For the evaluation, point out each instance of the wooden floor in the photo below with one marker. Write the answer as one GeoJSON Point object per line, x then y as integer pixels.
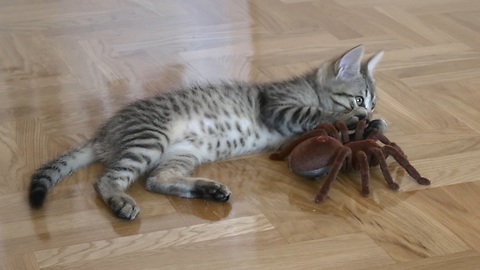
{"type": "Point", "coordinates": [65, 66]}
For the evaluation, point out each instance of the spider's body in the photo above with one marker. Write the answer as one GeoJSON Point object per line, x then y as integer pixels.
{"type": "Point", "coordinates": [301, 163]}
{"type": "Point", "coordinates": [328, 149]}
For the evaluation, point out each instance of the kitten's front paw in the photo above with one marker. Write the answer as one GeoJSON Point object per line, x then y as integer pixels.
{"type": "Point", "coordinates": [351, 118]}
{"type": "Point", "coordinates": [207, 189]}
{"type": "Point", "coordinates": [124, 207]}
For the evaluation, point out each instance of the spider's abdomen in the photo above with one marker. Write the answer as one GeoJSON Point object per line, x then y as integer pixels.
{"type": "Point", "coordinates": [313, 157]}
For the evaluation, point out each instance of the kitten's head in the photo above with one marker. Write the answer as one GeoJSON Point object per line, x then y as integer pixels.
{"type": "Point", "coordinates": [347, 83]}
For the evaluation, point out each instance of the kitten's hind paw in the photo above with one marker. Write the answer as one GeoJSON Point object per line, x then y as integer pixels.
{"type": "Point", "coordinates": [124, 207]}
{"type": "Point", "coordinates": [207, 189]}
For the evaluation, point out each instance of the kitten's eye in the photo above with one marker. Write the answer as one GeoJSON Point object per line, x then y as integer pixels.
{"type": "Point", "coordinates": [359, 100]}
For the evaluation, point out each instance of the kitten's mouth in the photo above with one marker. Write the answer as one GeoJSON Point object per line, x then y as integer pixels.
{"type": "Point", "coordinates": [369, 117]}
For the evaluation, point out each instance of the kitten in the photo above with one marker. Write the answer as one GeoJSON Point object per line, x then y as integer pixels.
{"type": "Point", "coordinates": [165, 137]}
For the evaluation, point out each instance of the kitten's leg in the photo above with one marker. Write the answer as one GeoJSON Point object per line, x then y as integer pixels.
{"type": "Point", "coordinates": [298, 119]}
{"type": "Point", "coordinates": [117, 178]}
{"type": "Point", "coordinates": [173, 178]}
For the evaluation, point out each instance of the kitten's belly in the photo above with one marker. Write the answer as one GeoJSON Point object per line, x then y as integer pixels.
{"type": "Point", "coordinates": [223, 138]}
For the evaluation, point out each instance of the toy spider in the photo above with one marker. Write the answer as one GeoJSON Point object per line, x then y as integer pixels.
{"type": "Point", "coordinates": [328, 148]}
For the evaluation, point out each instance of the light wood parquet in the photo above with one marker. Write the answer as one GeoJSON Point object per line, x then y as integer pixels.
{"type": "Point", "coordinates": [65, 66]}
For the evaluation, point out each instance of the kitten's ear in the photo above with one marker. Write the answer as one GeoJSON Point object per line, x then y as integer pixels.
{"type": "Point", "coordinates": [373, 62]}
{"type": "Point", "coordinates": [348, 66]}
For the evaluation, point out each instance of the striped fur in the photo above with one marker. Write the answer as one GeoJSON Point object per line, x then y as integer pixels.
{"type": "Point", "coordinates": [165, 137]}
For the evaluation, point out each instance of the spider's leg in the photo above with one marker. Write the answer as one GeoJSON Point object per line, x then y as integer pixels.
{"type": "Point", "coordinates": [288, 149]}
{"type": "Point", "coordinates": [403, 161]}
{"type": "Point", "coordinates": [375, 135]}
{"type": "Point", "coordinates": [383, 166]}
{"type": "Point", "coordinates": [360, 130]}
{"type": "Point", "coordinates": [340, 125]}
{"type": "Point", "coordinates": [342, 154]}
{"type": "Point", "coordinates": [364, 168]}
{"type": "Point", "coordinates": [330, 129]}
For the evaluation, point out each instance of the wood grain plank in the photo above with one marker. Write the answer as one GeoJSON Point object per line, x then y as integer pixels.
{"type": "Point", "coordinates": [333, 253]}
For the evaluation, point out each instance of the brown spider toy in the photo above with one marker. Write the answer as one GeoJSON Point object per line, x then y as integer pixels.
{"type": "Point", "coordinates": [328, 148]}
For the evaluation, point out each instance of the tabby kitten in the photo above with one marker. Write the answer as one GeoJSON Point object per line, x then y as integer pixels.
{"type": "Point", "coordinates": [165, 137]}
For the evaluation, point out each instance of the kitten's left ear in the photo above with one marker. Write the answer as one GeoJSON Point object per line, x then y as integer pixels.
{"type": "Point", "coordinates": [348, 66]}
{"type": "Point", "coordinates": [373, 62]}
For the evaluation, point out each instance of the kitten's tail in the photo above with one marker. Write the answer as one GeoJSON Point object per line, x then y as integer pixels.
{"type": "Point", "coordinates": [54, 171]}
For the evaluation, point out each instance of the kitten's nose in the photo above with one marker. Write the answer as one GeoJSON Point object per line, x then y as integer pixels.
{"type": "Point", "coordinates": [364, 116]}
